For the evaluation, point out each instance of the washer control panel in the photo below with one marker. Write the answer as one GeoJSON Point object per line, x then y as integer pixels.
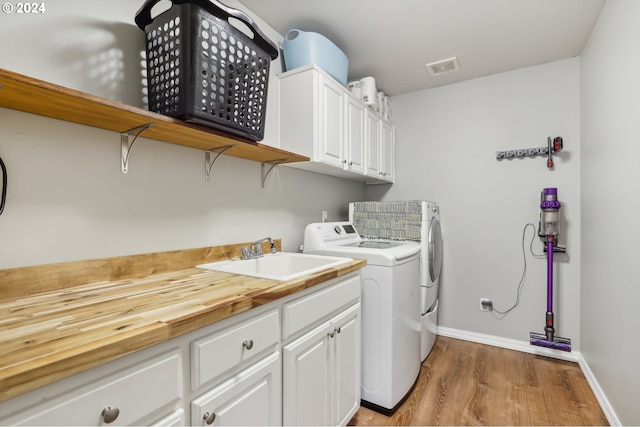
{"type": "Point", "coordinates": [323, 234]}
{"type": "Point", "coordinates": [348, 228]}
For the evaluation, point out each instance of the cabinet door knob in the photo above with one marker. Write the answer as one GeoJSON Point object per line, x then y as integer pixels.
{"type": "Point", "coordinates": [337, 329]}
{"type": "Point", "coordinates": [209, 418]}
{"type": "Point", "coordinates": [331, 334]}
{"type": "Point", "coordinates": [110, 414]}
{"type": "Point", "coordinates": [248, 344]}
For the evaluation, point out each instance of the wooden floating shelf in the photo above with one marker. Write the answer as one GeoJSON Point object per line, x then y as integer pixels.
{"type": "Point", "coordinates": [19, 92]}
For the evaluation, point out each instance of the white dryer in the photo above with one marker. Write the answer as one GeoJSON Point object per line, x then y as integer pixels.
{"type": "Point", "coordinates": [431, 260]}
{"type": "Point", "coordinates": [391, 321]}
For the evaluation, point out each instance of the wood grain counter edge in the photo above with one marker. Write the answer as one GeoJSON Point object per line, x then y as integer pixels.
{"type": "Point", "coordinates": [30, 373]}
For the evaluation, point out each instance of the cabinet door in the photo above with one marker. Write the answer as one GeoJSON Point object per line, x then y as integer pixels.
{"type": "Point", "coordinates": [388, 151]}
{"type": "Point", "coordinates": [306, 379]}
{"type": "Point", "coordinates": [346, 365]}
{"type": "Point", "coordinates": [354, 135]}
{"type": "Point", "coordinates": [251, 397]}
{"type": "Point", "coordinates": [372, 138]}
{"type": "Point", "coordinates": [330, 122]}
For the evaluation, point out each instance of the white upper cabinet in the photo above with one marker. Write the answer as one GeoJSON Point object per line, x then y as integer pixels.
{"type": "Point", "coordinates": [387, 151]}
{"type": "Point", "coordinates": [372, 134]}
{"type": "Point", "coordinates": [329, 148]}
{"type": "Point", "coordinates": [321, 119]}
{"type": "Point", "coordinates": [354, 143]}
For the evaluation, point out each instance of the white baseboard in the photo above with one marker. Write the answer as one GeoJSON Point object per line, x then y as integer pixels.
{"type": "Point", "coordinates": [611, 415]}
{"type": "Point", "coordinates": [509, 343]}
{"type": "Point", "coordinates": [524, 346]}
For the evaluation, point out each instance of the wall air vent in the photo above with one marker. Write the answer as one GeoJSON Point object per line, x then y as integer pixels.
{"type": "Point", "coordinates": [442, 67]}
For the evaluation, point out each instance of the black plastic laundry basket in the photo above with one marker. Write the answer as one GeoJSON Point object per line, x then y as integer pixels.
{"type": "Point", "coordinates": [203, 69]}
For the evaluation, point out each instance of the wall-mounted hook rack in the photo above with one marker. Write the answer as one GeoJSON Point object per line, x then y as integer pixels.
{"type": "Point", "coordinates": [208, 163]}
{"type": "Point", "coordinates": [273, 164]}
{"type": "Point", "coordinates": [553, 146]}
{"type": "Point", "coordinates": [125, 145]}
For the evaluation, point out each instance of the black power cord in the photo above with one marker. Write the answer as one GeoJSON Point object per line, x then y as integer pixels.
{"type": "Point", "coordinates": [4, 185]}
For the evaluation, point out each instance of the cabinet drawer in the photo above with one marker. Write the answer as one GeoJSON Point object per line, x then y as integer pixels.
{"type": "Point", "coordinates": [136, 392]}
{"type": "Point", "coordinates": [221, 351]}
{"type": "Point", "coordinates": [305, 311]}
{"type": "Point", "coordinates": [175, 419]}
{"type": "Point", "coordinates": [252, 397]}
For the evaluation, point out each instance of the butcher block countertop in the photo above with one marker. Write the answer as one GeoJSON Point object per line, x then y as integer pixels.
{"type": "Point", "coordinates": [53, 334]}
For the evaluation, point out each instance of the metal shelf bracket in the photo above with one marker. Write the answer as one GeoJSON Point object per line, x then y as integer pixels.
{"type": "Point", "coordinates": [208, 162]}
{"type": "Point", "coordinates": [125, 145]}
{"type": "Point", "coordinates": [273, 163]}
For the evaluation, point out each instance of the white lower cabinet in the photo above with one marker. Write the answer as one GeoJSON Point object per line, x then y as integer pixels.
{"type": "Point", "coordinates": [321, 367]}
{"type": "Point", "coordinates": [306, 374]}
{"type": "Point", "coordinates": [175, 419]}
{"type": "Point", "coordinates": [249, 398]}
{"type": "Point", "coordinates": [240, 369]}
{"type": "Point", "coordinates": [321, 372]}
{"type": "Point", "coordinates": [127, 396]}
{"type": "Point", "coordinates": [217, 354]}
{"type": "Point", "coordinates": [345, 357]}
{"type": "Point", "coordinates": [237, 374]}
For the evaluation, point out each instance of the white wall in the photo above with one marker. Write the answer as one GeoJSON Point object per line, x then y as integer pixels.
{"type": "Point", "coordinates": [610, 202]}
{"type": "Point", "coordinates": [446, 143]}
{"type": "Point", "coordinates": [67, 199]}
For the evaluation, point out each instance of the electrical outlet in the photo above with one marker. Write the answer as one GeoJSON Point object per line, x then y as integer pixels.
{"type": "Point", "coordinates": [486, 304]}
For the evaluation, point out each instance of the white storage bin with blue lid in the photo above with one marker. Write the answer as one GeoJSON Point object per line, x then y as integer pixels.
{"type": "Point", "coordinates": [302, 48]}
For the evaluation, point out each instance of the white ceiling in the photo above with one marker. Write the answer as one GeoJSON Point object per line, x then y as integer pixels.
{"type": "Point", "coordinates": [392, 40]}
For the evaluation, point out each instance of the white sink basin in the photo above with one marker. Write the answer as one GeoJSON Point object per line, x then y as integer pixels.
{"type": "Point", "coordinates": [279, 266]}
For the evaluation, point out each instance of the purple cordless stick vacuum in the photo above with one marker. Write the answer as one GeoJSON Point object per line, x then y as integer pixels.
{"type": "Point", "coordinates": [549, 229]}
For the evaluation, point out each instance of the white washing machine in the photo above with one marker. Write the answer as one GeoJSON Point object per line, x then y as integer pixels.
{"type": "Point", "coordinates": [391, 322]}
{"type": "Point", "coordinates": [431, 260]}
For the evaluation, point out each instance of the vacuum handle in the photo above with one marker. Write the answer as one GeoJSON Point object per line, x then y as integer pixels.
{"type": "Point", "coordinates": [144, 18]}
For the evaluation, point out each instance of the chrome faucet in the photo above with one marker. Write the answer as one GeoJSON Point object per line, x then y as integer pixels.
{"type": "Point", "coordinates": [256, 248]}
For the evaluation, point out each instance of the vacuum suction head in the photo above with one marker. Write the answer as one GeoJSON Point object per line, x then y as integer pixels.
{"type": "Point", "coordinates": [556, 343]}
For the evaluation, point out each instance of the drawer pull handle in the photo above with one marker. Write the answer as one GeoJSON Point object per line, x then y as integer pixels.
{"type": "Point", "coordinates": [110, 414]}
{"type": "Point", "coordinates": [209, 418]}
{"type": "Point", "coordinates": [248, 344]}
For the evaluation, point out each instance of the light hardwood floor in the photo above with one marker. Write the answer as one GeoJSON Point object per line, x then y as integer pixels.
{"type": "Point", "coordinates": [464, 383]}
